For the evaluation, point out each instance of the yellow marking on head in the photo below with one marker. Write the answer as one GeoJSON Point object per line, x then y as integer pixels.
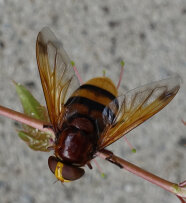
{"type": "Point", "coordinates": [58, 172]}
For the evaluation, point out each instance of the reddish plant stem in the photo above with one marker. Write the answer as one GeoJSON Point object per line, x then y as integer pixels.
{"type": "Point", "coordinates": [182, 184]}
{"type": "Point", "coordinates": [24, 119]}
{"type": "Point", "coordinates": [178, 189]}
{"type": "Point", "coordinates": [184, 122]}
{"type": "Point", "coordinates": [78, 75]}
{"type": "Point", "coordinates": [169, 186]}
{"type": "Point", "coordinates": [120, 76]}
{"type": "Point", "coordinates": [181, 199]}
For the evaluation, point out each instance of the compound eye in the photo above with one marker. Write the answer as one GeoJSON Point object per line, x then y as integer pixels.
{"type": "Point", "coordinates": [64, 172]}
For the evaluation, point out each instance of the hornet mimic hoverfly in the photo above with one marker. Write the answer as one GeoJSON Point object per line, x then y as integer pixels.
{"type": "Point", "coordinates": [87, 118]}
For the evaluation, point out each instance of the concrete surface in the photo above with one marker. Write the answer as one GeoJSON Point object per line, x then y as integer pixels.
{"type": "Point", "coordinates": [151, 37]}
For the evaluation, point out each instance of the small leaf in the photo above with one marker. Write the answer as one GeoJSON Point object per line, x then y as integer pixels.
{"type": "Point", "coordinates": [34, 142]}
{"type": "Point", "coordinates": [35, 139]}
{"type": "Point", "coordinates": [30, 105]}
{"type": "Point", "coordinates": [23, 136]}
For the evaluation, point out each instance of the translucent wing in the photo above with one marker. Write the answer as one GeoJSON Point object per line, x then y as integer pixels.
{"type": "Point", "coordinates": [56, 73]}
{"type": "Point", "coordinates": [135, 107]}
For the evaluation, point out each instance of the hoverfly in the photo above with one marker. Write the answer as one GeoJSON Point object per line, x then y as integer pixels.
{"type": "Point", "coordinates": [89, 117]}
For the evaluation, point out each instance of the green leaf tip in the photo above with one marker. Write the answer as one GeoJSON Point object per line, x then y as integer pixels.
{"type": "Point", "coordinates": [34, 138]}
{"type": "Point", "coordinates": [72, 63]}
{"type": "Point", "coordinates": [103, 175]}
{"type": "Point", "coordinates": [104, 73]}
{"type": "Point", "coordinates": [23, 136]}
{"type": "Point", "coordinates": [133, 150]}
{"type": "Point", "coordinates": [122, 63]}
{"type": "Point", "coordinates": [30, 105]}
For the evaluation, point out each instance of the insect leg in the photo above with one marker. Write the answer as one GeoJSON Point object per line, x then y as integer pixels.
{"type": "Point", "coordinates": [110, 158]}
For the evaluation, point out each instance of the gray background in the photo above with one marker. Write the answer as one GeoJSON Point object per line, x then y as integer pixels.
{"type": "Point", "coordinates": [151, 37]}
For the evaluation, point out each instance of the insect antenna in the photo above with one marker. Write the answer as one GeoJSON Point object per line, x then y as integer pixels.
{"type": "Point", "coordinates": [121, 73]}
{"type": "Point", "coordinates": [63, 185]}
{"type": "Point", "coordinates": [55, 181]}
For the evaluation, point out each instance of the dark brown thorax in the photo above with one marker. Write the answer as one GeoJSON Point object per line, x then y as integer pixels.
{"type": "Point", "coordinates": [77, 142]}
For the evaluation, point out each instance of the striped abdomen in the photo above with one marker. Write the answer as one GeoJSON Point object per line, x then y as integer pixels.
{"type": "Point", "coordinates": [91, 98]}
{"type": "Point", "coordinates": [78, 137]}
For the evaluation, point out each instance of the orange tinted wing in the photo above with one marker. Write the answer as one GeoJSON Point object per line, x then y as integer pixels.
{"type": "Point", "coordinates": [57, 75]}
{"type": "Point", "coordinates": [135, 107]}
